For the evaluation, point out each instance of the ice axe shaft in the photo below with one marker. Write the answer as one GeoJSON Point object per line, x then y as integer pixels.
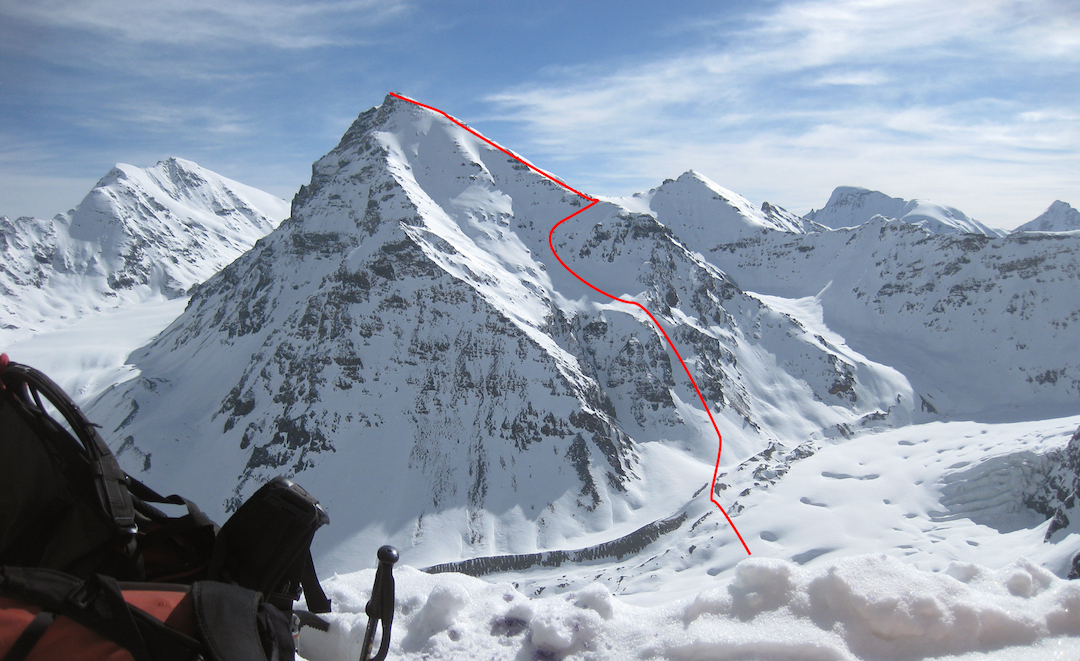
{"type": "Point", "coordinates": [380, 608]}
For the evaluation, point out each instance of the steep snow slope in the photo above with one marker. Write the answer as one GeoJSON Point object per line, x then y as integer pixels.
{"type": "Point", "coordinates": [1058, 217]}
{"type": "Point", "coordinates": [850, 206]}
{"type": "Point", "coordinates": [402, 342]}
{"type": "Point", "coordinates": [141, 234]}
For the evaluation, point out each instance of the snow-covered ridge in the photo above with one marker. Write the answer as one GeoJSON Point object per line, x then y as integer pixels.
{"type": "Point", "coordinates": [141, 234]}
{"type": "Point", "coordinates": [980, 326]}
{"type": "Point", "coordinates": [703, 213]}
{"type": "Point", "coordinates": [850, 206]}
{"type": "Point", "coordinates": [1058, 217]}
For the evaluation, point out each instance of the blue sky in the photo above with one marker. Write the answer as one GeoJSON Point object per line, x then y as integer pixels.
{"type": "Point", "coordinates": [970, 104]}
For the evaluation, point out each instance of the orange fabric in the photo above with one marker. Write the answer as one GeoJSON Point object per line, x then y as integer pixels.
{"type": "Point", "coordinates": [70, 641]}
{"type": "Point", "coordinates": [64, 639]}
{"type": "Point", "coordinates": [14, 617]}
{"type": "Point", "coordinates": [175, 609]}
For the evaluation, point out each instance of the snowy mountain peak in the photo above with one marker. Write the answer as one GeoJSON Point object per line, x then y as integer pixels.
{"type": "Point", "coordinates": [397, 330]}
{"type": "Point", "coordinates": [175, 217]}
{"type": "Point", "coordinates": [694, 188]}
{"type": "Point", "coordinates": [173, 173]}
{"type": "Point", "coordinates": [140, 233]}
{"type": "Point", "coordinates": [408, 325]}
{"type": "Point", "coordinates": [128, 197]}
{"type": "Point", "coordinates": [1058, 217]}
{"type": "Point", "coordinates": [850, 206]}
{"type": "Point", "coordinates": [704, 214]}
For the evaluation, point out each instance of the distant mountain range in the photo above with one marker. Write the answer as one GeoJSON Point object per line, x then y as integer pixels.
{"type": "Point", "coordinates": [406, 346]}
{"type": "Point", "coordinates": [851, 207]}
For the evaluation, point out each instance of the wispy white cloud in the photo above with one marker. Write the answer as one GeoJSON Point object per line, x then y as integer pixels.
{"type": "Point", "coordinates": [852, 78]}
{"type": "Point", "coordinates": [87, 82]}
{"type": "Point", "coordinates": [211, 23]}
{"type": "Point", "coordinates": [817, 93]}
{"type": "Point", "coordinates": [780, 100]}
{"type": "Point", "coordinates": [149, 115]}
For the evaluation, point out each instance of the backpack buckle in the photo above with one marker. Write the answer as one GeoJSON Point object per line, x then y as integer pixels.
{"type": "Point", "coordinates": [83, 594]}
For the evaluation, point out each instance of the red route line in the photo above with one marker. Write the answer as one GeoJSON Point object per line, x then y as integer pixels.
{"type": "Point", "coordinates": [593, 202]}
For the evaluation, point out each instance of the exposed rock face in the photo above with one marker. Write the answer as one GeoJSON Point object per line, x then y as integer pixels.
{"type": "Point", "coordinates": [1057, 488]}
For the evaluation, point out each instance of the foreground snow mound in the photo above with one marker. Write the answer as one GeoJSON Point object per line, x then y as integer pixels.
{"type": "Point", "coordinates": [861, 607]}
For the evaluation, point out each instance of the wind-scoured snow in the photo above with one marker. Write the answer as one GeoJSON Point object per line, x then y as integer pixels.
{"type": "Point", "coordinates": [927, 494]}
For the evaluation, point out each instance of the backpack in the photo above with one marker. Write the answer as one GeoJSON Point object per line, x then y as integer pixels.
{"type": "Point", "coordinates": [72, 522]}
{"type": "Point", "coordinates": [47, 614]}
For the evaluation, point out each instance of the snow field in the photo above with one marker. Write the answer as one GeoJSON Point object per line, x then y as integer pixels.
{"type": "Point", "coordinates": [860, 607]}
{"type": "Point", "coordinates": [103, 340]}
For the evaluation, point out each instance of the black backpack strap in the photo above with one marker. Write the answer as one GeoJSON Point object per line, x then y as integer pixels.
{"type": "Point", "coordinates": [235, 623]}
{"type": "Point", "coordinates": [29, 385]}
{"type": "Point", "coordinates": [30, 636]}
{"type": "Point", "coordinates": [147, 495]}
{"type": "Point", "coordinates": [96, 603]}
{"type": "Point", "coordinates": [317, 601]}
